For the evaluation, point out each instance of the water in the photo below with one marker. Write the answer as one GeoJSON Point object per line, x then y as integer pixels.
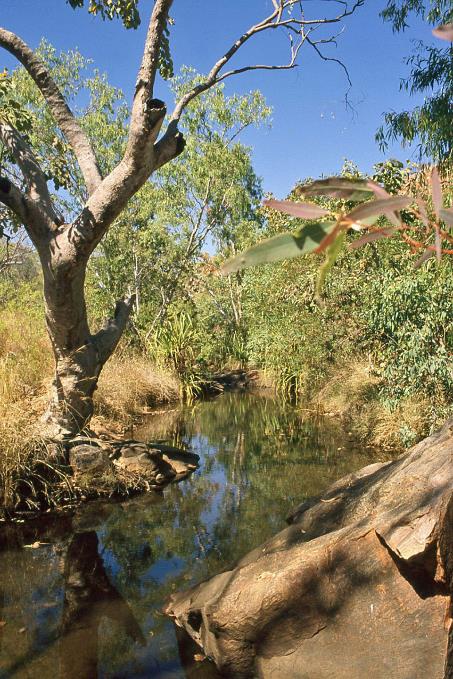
{"type": "Point", "coordinates": [81, 594]}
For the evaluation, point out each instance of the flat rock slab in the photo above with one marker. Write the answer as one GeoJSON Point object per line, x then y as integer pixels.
{"type": "Point", "coordinates": [359, 585]}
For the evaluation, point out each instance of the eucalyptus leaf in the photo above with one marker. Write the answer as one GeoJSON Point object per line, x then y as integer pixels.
{"type": "Point", "coordinates": [447, 215]}
{"type": "Point", "coordinates": [302, 210]}
{"type": "Point", "coordinates": [339, 187]}
{"type": "Point", "coordinates": [436, 191]}
{"type": "Point", "coordinates": [444, 32]}
{"type": "Point", "coordinates": [282, 246]}
{"type": "Point", "coordinates": [374, 208]}
{"type": "Point", "coordinates": [332, 254]}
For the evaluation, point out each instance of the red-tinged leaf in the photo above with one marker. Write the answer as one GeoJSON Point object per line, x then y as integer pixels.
{"type": "Point", "coordinates": [380, 192]}
{"type": "Point", "coordinates": [377, 189]}
{"type": "Point", "coordinates": [371, 237]}
{"type": "Point", "coordinates": [447, 215]}
{"type": "Point", "coordinates": [436, 190]}
{"type": "Point", "coordinates": [338, 187]}
{"type": "Point", "coordinates": [374, 208]}
{"type": "Point", "coordinates": [428, 254]}
{"type": "Point", "coordinates": [302, 210]}
{"type": "Point", "coordinates": [444, 32]}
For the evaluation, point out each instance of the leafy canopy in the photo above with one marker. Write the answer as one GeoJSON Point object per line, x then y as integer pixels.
{"type": "Point", "coordinates": [431, 74]}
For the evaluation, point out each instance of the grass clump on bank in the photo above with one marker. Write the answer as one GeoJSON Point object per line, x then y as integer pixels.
{"type": "Point", "coordinates": [129, 384]}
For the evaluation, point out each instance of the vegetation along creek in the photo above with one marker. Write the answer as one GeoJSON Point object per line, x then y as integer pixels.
{"type": "Point", "coordinates": [81, 595]}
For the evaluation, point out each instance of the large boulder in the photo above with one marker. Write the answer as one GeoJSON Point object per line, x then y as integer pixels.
{"type": "Point", "coordinates": [358, 585]}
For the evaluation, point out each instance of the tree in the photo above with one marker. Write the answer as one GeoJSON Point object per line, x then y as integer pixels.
{"type": "Point", "coordinates": [65, 245]}
{"type": "Point", "coordinates": [431, 73]}
{"type": "Point", "coordinates": [208, 192]}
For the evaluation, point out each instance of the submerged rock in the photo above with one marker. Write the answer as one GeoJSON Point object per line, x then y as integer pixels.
{"type": "Point", "coordinates": [358, 585]}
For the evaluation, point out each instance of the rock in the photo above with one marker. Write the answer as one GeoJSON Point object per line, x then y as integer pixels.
{"type": "Point", "coordinates": [88, 459]}
{"type": "Point", "coordinates": [163, 462]}
{"type": "Point", "coordinates": [135, 458]}
{"type": "Point", "coordinates": [141, 460]}
{"type": "Point", "coordinates": [358, 585]}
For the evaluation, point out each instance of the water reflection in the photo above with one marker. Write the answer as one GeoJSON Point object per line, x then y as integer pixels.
{"type": "Point", "coordinates": [85, 602]}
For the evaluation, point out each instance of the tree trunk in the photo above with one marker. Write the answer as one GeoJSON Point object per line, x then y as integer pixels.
{"type": "Point", "coordinates": [79, 354]}
{"type": "Point", "coordinates": [77, 360]}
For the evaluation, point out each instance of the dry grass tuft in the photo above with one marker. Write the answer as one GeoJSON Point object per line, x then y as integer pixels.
{"type": "Point", "coordinates": [129, 385]}
{"type": "Point", "coordinates": [348, 388]}
{"type": "Point", "coordinates": [26, 361]}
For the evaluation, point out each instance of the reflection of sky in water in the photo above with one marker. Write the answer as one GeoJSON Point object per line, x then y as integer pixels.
{"type": "Point", "coordinates": [258, 459]}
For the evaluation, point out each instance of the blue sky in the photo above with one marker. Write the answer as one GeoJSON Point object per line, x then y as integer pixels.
{"type": "Point", "coordinates": [312, 132]}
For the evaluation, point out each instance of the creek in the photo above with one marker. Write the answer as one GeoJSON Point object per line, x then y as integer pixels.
{"type": "Point", "coordinates": [81, 593]}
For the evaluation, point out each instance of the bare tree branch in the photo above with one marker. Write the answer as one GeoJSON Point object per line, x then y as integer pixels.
{"type": "Point", "coordinates": [32, 173]}
{"type": "Point", "coordinates": [59, 108]}
{"type": "Point", "coordinates": [294, 24]}
{"type": "Point", "coordinates": [148, 113]}
{"type": "Point", "coordinates": [107, 338]}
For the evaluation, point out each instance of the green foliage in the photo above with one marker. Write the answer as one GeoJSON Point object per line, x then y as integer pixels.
{"type": "Point", "coordinates": [11, 109]}
{"type": "Point", "coordinates": [126, 10]}
{"type": "Point", "coordinates": [207, 197]}
{"type": "Point", "coordinates": [379, 311]}
{"type": "Point", "coordinates": [176, 343]}
{"type": "Point", "coordinates": [431, 74]}
{"type": "Point", "coordinates": [411, 318]}
{"type": "Point", "coordinates": [103, 116]}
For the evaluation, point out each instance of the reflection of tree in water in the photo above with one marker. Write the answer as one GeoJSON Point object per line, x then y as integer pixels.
{"type": "Point", "coordinates": [89, 598]}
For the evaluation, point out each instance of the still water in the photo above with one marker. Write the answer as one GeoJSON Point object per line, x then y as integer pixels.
{"type": "Point", "coordinates": [81, 594]}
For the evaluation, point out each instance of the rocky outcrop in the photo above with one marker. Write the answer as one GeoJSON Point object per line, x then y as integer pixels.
{"type": "Point", "coordinates": [358, 585]}
{"type": "Point", "coordinates": [155, 464]}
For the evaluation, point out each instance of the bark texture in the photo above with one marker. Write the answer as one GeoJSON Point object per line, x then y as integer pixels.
{"type": "Point", "coordinates": [358, 585]}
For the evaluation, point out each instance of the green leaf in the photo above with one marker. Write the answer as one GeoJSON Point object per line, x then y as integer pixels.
{"type": "Point", "coordinates": [332, 254]}
{"type": "Point", "coordinates": [283, 246]}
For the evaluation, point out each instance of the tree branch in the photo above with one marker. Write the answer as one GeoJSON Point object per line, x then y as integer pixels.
{"type": "Point", "coordinates": [147, 113]}
{"type": "Point", "coordinates": [59, 108]}
{"type": "Point", "coordinates": [107, 339]}
{"type": "Point", "coordinates": [32, 173]}
{"type": "Point", "coordinates": [294, 24]}
{"type": "Point", "coordinates": [36, 222]}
